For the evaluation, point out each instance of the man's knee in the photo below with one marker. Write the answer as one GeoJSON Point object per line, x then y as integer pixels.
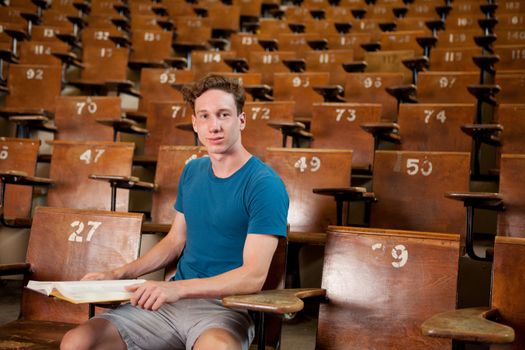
{"type": "Point", "coordinates": [217, 339]}
{"type": "Point", "coordinates": [96, 333]}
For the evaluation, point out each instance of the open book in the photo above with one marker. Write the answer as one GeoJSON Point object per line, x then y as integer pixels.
{"type": "Point", "coordinates": [78, 292]}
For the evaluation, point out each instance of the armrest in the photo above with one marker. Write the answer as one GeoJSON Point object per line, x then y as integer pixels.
{"type": "Point", "coordinates": [129, 182]}
{"type": "Point", "coordinates": [68, 58]}
{"type": "Point", "coordinates": [21, 178]}
{"type": "Point", "coordinates": [38, 122]}
{"type": "Point", "coordinates": [9, 56]}
{"type": "Point", "coordinates": [416, 64]}
{"type": "Point", "coordinates": [15, 269]}
{"type": "Point", "coordinates": [487, 133]}
{"type": "Point", "coordinates": [70, 39]}
{"type": "Point", "coordinates": [485, 41]}
{"type": "Point", "coordinates": [139, 117]}
{"type": "Point", "coordinates": [488, 24]}
{"type": "Point", "coordinates": [403, 93]}
{"type": "Point", "coordinates": [387, 26]}
{"type": "Point", "coordinates": [297, 65]}
{"type": "Point", "coordinates": [470, 324]}
{"type": "Point", "coordinates": [125, 86]}
{"type": "Point", "coordinates": [293, 129]}
{"type": "Point", "coordinates": [269, 44]}
{"type": "Point", "coordinates": [218, 44]}
{"type": "Point", "coordinates": [372, 46]}
{"type": "Point", "coordinates": [17, 34]}
{"type": "Point", "coordinates": [400, 12]}
{"type": "Point", "coordinates": [177, 62]}
{"type": "Point", "coordinates": [319, 44]}
{"type": "Point", "coordinates": [358, 13]}
{"type": "Point", "coordinates": [260, 92]}
{"type": "Point", "coordinates": [355, 67]}
{"type": "Point", "coordinates": [297, 27]}
{"type": "Point", "coordinates": [484, 200]}
{"type": "Point", "coordinates": [486, 62]}
{"type": "Point", "coordinates": [384, 131]}
{"type": "Point", "coordinates": [330, 93]}
{"type": "Point", "coordinates": [237, 64]}
{"type": "Point", "coordinates": [279, 301]}
{"type": "Point", "coordinates": [347, 193]}
{"type": "Point", "coordinates": [120, 40]}
{"type": "Point", "coordinates": [485, 92]}
{"type": "Point", "coordinates": [124, 125]}
{"type": "Point", "coordinates": [343, 27]}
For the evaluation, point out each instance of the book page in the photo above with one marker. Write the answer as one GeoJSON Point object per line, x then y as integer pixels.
{"type": "Point", "coordinates": [86, 291]}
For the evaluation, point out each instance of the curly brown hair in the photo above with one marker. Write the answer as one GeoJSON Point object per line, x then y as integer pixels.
{"type": "Point", "coordinates": [215, 82]}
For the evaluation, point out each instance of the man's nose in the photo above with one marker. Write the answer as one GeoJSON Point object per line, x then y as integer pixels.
{"type": "Point", "coordinates": [215, 124]}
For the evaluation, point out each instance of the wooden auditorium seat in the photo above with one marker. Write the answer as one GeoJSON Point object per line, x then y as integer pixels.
{"type": "Point", "coordinates": [370, 275]}
{"type": "Point", "coordinates": [502, 325]}
{"type": "Point", "coordinates": [82, 241]}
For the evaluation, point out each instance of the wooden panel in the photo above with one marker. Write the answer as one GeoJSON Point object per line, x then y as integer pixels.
{"type": "Point", "coordinates": [511, 222]}
{"type": "Point", "coordinates": [382, 284]}
{"type": "Point", "coordinates": [338, 125]}
{"type": "Point", "coordinates": [19, 155]}
{"type": "Point", "coordinates": [303, 170]}
{"type": "Point", "coordinates": [72, 163]}
{"type": "Point", "coordinates": [150, 45]}
{"type": "Point", "coordinates": [34, 52]}
{"type": "Point", "coordinates": [512, 88]}
{"type": "Point", "coordinates": [204, 62]}
{"type": "Point", "coordinates": [370, 88]}
{"type": "Point", "coordinates": [171, 160]}
{"type": "Point", "coordinates": [268, 63]}
{"type": "Point", "coordinates": [330, 61]}
{"type": "Point", "coordinates": [446, 87]}
{"type": "Point", "coordinates": [44, 83]}
{"type": "Point", "coordinates": [155, 85]}
{"type": "Point", "coordinates": [435, 127]}
{"type": "Point", "coordinates": [298, 87]}
{"type": "Point", "coordinates": [104, 63]}
{"type": "Point", "coordinates": [244, 43]}
{"type": "Point", "coordinates": [508, 285]}
{"type": "Point", "coordinates": [257, 136]}
{"type": "Point", "coordinates": [75, 117]}
{"type": "Point", "coordinates": [163, 118]}
{"type": "Point", "coordinates": [512, 58]}
{"type": "Point", "coordinates": [454, 59]}
{"type": "Point", "coordinates": [511, 117]}
{"type": "Point", "coordinates": [105, 241]}
{"type": "Point", "coordinates": [404, 180]}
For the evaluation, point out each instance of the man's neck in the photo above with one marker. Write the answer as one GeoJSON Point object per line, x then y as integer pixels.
{"type": "Point", "coordinates": [225, 165]}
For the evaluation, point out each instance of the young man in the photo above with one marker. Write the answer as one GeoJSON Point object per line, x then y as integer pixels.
{"type": "Point", "coordinates": [230, 208]}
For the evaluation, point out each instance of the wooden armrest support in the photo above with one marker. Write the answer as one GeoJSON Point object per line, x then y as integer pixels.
{"type": "Point", "coordinates": [371, 46]}
{"type": "Point", "coordinates": [387, 26]}
{"type": "Point", "coordinates": [403, 93]}
{"type": "Point", "coordinates": [269, 44]}
{"type": "Point", "coordinates": [17, 34]}
{"type": "Point", "coordinates": [296, 65]}
{"type": "Point", "coordinates": [9, 56]}
{"type": "Point", "coordinates": [237, 64]}
{"type": "Point", "coordinates": [487, 200]}
{"type": "Point", "coordinates": [15, 269]}
{"type": "Point", "coordinates": [7, 112]}
{"type": "Point", "coordinates": [129, 182]}
{"type": "Point", "coordinates": [347, 193]}
{"type": "Point", "coordinates": [468, 325]}
{"type": "Point", "coordinates": [417, 63]}
{"type": "Point", "coordinates": [358, 13]}
{"type": "Point", "coordinates": [485, 92]}
{"type": "Point", "coordinates": [149, 227]}
{"type": "Point", "coordinates": [485, 41]}
{"type": "Point", "coordinates": [343, 27]}
{"type": "Point", "coordinates": [435, 25]}
{"type": "Point", "coordinates": [487, 133]}
{"type": "Point", "coordinates": [177, 62]}
{"type": "Point", "coordinates": [355, 67]}
{"type": "Point", "coordinates": [331, 93]}
{"type": "Point", "coordinates": [293, 129]}
{"type": "Point", "coordinates": [318, 44]}
{"type": "Point", "coordinates": [124, 125]}
{"type": "Point", "coordinates": [311, 238]}
{"type": "Point", "coordinates": [69, 39]}
{"type": "Point", "coordinates": [38, 122]}
{"type": "Point", "coordinates": [125, 86]}
{"type": "Point", "coordinates": [385, 131]}
{"type": "Point", "coordinates": [120, 40]}
{"type": "Point", "coordinates": [139, 117]}
{"type": "Point", "coordinates": [279, 301]}
{"type": "Point", "coordinates": [21, 178]}
{"type": "Point", "coordinates": [260, 92]}
{"type": "Point", "coordinates": [68, 58]}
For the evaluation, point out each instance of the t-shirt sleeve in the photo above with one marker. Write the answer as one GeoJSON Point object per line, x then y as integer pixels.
{"type": "Point", "coordinates": [268, 207]}
{"type": "Point", "coordinates": [180, 190]}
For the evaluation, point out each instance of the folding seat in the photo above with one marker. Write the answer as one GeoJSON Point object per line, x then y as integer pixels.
{"type": "Point", "coordinates": [511, 87]}
{"type": "Point", "coordinates": [192, 33]}
{"type": "Point", "coordinates": [17, 156]}
{"type": "Point", "coordinates": [454, 59]}
{"type": "Point", "coordinates": [223, 19]}
{"type": "Point", "coordinates": [360, 268]}
{"type": "Point", "coordinates": [82, 241]}
{"type": "Point", "coordinates": [501, 325]}
{"type": "Point", "coordinates": [338, 126]}
{"type": "Point", "coordinates": [330, 61]}
{"type": "Point", "coordinates": [204, 62]}
{"type": "Point", "coordinates": [446, 87]}
{"type": "Point", "coordinates": [150, 47]}
{"type": "Point", "coordinates": [297, 42]}
{"type": "Point", "coordinates": [31, 110]}
{"type": "Point", "coordinates": [298, 87]}
{"type": "Point", "coordinates": [40, 52]}
{"type": "Point", "coordinates": [269, 62]}
{"type": "Point", "coordinates": [244, 43]}
{"type": "Point", "coordinates": [349, 41]}
{"type": "Point", "coordinates": [511, 58]}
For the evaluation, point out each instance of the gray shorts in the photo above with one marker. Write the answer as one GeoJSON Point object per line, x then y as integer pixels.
{"type": "Point", "coordinates": [178, 325]}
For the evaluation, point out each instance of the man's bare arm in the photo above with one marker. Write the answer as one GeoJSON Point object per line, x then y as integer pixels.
{"type": "Point", "coordinates": [246, 279]}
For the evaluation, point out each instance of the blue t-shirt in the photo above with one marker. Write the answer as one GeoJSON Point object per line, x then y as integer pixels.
{"type": "Point", "coordinates": [220, 212]}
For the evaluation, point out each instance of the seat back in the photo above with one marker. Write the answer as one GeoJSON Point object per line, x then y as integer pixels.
{"type": "Point", "coordinates": [435, 126]}
{"type": "Point", "coordinates": [103, 63]}
{"type": "Point", "coordinates": [511, 221]}
{"type": "Point", "coordinates": [510, 116]}
{"type": "Point", "coordinates": [257, 136]}
{"type": "Point", "coordinates": [150, 45]}
{"type": "Point", "coordinates": [65, 244]}
{"type": "Point", "coordinates": [268, 63]}
{"type": "Point", "coordinates": [71, 164]}
{"type": "Point", "coordinates": [302, 170]}
{"type": "Point", "coordinates": [410, 188]}
{"type": "Point", "coordinates": [33, 86]}
{"type": "Point", "coordinates": [337, 126]}
{"type": "Point", "coordinates": [205, 62]}
{"type": "Point", "coordinates": [508, 285]}
{"type": "Point", "coordinates": [20, 155]}
{"type": "Point", "coordinates": [446, 87]}
{"type": "Point", "coordinates": [76, 117]}
{"type": "Point", "coordinates": [382, 284]}
{"type": "Point", "coordinates": [170, 162]}
{"type": "Point", "coordinates": [163, 118]}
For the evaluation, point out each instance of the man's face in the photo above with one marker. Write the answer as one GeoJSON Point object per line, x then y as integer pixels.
{"type": "Point", "coordinates": [216, 122]}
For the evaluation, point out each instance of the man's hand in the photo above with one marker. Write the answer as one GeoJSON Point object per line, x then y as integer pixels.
{"type": "Point", "coordinates": [151, 295]}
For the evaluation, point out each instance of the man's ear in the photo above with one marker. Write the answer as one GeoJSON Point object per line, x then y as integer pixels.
{"type": "Point", "coordinates": [193, 122]}
{"type": "Point", "coordinates": [242, 118]}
